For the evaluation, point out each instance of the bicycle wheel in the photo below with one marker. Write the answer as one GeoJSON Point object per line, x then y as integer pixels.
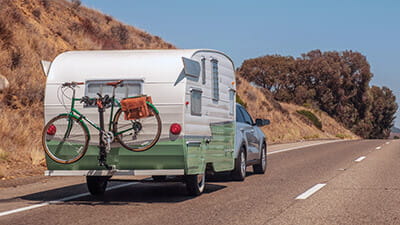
{"type": "Point", "coordinates": [137, 135]}
{"type": "Point", "coordinates": [64, 139]}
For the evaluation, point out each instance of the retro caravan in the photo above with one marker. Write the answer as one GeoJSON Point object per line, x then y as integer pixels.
{"type": "Point", "coordinates": [178, 120]}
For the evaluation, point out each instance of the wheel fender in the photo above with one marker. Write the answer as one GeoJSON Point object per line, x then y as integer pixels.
{"type": "Point", "coordinates": [80, 120]}
{"type": "Point", "coordinates": [240, 146]}
{"type": "Point", "coordinates": [240, 138]}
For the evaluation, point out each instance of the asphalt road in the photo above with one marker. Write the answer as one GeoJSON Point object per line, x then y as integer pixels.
{"type": "Point", "coordinates": [350, 182]}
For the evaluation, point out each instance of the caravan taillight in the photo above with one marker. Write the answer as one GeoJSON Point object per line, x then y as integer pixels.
{"type": "Point", "coordinates": [175, 128]}
{"type": "Point", "coordinates": [51, 130]}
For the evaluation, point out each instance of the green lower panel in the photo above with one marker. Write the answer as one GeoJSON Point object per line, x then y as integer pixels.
{"type": "Point", "coordinates": [164, 155]}
{"type": "Point", "coordinates": [195, 158]}
{"type": "Point", "coordinates": [191, 157]}
{"type": "Point", "coordinates": [219, 151]}
{"type": "Point", "coordinates": [168, 155]}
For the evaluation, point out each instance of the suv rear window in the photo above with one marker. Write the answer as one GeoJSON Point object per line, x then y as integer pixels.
{"type": "Point", "coordinates": [246, 116]}
{"type": "Point", "coordinates": [239, 115]}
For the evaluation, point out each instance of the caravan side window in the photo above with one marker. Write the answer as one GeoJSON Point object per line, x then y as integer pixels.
{"type": "Point", "coordinates": [129, 88]}
{"type": "Point", "coordinates": [231, 101]}
{"type": "Point", "coordinates": [215, 80]}
{"type": "Point", "coordinates": [195, 102]}
{"type": "Point", "coordinates": [203, 70]}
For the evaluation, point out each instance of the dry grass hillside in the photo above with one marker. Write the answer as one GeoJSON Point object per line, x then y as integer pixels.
{"type": "Point", "coordinates": [41, 29]}
{"type": "Point", "coordinates": [287, 124]}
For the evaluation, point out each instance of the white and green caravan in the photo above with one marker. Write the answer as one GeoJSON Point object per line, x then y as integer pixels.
{"type": "Point", "coordinates": [193, 91]}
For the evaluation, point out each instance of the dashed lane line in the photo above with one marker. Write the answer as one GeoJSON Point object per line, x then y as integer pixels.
{"type": "Point", "coordinates": [310, 191]}
{"type": "Point", "coordinates": [360, 159]}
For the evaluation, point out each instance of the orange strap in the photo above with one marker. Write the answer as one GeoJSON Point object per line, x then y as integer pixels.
{"type": "Point", "coordinates": [99, 103]}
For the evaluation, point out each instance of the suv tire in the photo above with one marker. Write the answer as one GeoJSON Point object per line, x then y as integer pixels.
{"type": "Point", "coordinates": [239, 173]}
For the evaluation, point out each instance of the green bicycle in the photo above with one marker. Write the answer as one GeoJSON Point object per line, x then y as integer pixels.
{"type": "Point", "coordinates": [66, 137]}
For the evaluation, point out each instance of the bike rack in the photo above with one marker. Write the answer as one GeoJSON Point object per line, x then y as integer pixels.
{"type": "Point", "coordinates": [102, 146]}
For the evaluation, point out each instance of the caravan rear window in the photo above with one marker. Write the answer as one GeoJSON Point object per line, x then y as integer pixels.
{"type": "Point", "coordinates": [129, 88]}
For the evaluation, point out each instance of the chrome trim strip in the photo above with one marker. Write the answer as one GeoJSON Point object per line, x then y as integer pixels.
{"type": "Point", "coordinates": [114, 172]}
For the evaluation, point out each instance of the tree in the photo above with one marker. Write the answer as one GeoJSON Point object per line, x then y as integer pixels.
{"type": "Point", "coordinates": [383, 110]}
{"type": "Point", "coordinates": [335, 82]}
{"type": "Point", "coordinates": [273, 72]}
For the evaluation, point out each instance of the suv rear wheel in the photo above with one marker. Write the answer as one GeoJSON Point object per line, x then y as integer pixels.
{"type": "Point", "coordinates": [239, 173]}
{"type": "Point", "coordinates": [261, 167]}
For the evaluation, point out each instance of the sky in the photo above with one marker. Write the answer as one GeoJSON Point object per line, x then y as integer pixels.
{"type": "Point", "coordinates": [249, 29]}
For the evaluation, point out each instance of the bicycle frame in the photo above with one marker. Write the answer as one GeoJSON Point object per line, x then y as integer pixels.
{"type": "Point", "coordinates": [74, 112]}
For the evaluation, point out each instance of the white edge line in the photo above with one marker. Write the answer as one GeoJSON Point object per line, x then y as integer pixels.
{"type": "Point", "coordinates": [59, 200]}
{"type": "Point", "coordinates": [304, 146]}
{"type": "Point", "coordinates": [360, 159]}
{"type": "Point", "coordinates": [310, 191]}
{"type": "Point", "coordinates": [23, 209]}
{"type": "Point", "coordinates": [388, 142]}
{"type": "Point", "coordinates": [379, 147]}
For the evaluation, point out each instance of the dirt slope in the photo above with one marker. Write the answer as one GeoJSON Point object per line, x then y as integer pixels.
{"type": "Point", "coordinates": [286, 124]}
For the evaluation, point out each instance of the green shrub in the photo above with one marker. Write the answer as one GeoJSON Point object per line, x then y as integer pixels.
{"type": "Point", "coordinates": [307, 105]}
{"type": "Point", "coordinates": [308, 137]}
{"type": "Point", "coordinates": [312, 117]}
{"type": "Point", "coordinates": [396, 137]}
{"type": "Point", "coordinates": [343, 136]}
{"type": "Point", "coordinates": [240, 101]}
{"type": "Point", "coordinates": [3, 155]}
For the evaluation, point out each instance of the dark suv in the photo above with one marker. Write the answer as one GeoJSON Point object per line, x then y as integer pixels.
{"type": "Point", "coordinates": [250, 144]}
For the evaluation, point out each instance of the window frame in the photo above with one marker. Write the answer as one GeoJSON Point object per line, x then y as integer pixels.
{"type": "Point", "coordinates": [239, 114]}
{"type": "Point", "coordinates": [245, 113]}
{"type": "Point", "coordinates": [103, 82]}
{"type": "Point", "coordinates": [215, 79]}
{"type": "Point", "coordinates": [203, 70]}
{"type": "Point", "coordinates": [192, 112]}
{"type": "Point", "coordinates": [232, 101]}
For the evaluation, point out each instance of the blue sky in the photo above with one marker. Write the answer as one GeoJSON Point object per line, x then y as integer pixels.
{"type": "Point", "coordinates": [248, 29]}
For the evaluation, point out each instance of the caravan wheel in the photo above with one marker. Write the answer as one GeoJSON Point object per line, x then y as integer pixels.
{"type": "Point", "coordinates": [195, 184]}
{"type": "Point", "coordinates": [97, 184]}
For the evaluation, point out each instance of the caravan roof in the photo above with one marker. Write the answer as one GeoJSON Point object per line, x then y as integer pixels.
{"type": "Point", "coordinates": [150, 65]}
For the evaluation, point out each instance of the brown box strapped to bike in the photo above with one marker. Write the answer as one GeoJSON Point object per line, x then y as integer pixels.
{"type": "Point", "coordinates": [136, 107]}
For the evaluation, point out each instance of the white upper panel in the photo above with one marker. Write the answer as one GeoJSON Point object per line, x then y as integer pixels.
{"type": "Point", "coordinates": [150, 65]}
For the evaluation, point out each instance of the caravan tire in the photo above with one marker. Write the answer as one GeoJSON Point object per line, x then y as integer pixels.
{"type": "Point", "coordinates": [97, 184]}
{"type": "Point", "coordinates": [159, 178]}
{"type": "Point", "coordinates": [239, 173]}
{"type": "Point", "coordinates": [195, 184]}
